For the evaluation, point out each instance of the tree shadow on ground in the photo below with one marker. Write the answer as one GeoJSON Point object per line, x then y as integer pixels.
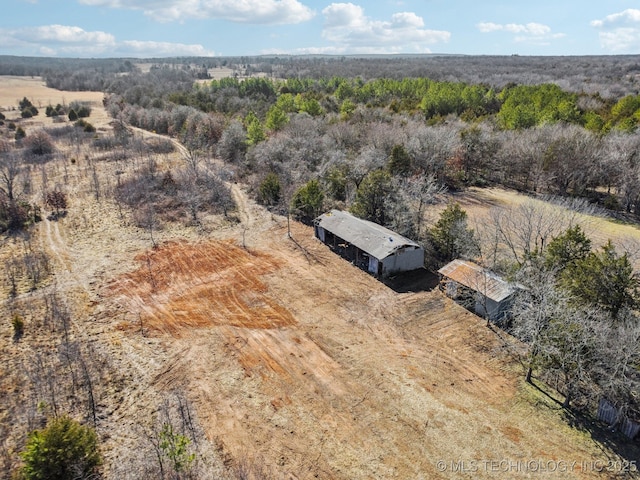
{"type": "Point", "coordinates": [607, 438]}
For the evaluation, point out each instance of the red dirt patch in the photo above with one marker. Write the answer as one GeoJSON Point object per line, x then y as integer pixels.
{"type": "Point", "coordinates": [512, 433]}
{"type": "Point", "coordinates": [180, 285]}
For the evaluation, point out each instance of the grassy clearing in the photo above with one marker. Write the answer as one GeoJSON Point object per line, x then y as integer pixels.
{"type": "Point", "coordinates": [600, 228]}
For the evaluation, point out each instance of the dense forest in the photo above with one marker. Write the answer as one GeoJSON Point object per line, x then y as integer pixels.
{"type": "Point", "coordinates": [517, 127]}
{"type": "Point", "coordinates": [384, 137]}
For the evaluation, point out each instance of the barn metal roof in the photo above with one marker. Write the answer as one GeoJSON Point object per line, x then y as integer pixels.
{"type": "Point", "coordinates": [371, 238]}
{"type": "Point", "coordinates": [477, 278]}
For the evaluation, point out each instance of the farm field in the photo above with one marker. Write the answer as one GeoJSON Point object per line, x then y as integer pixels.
{"type": "Point", "coordinates": [296, 363]}
{"type": "Point", "coordinates": [14, 89]}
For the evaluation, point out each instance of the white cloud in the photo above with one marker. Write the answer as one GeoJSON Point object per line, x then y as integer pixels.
{"type": "Point", "coordinates": [630, 16]}
{"type": "Point", "coordinates": [351, 31]}
{"type": "Point", "coordinates": [240, 11]}
{"type": "Point", "coordinates": [64, 40]}
{"type": "Point", "coordinates": [339, 15]}
{"type": "Point", "coordinates": [62, 34]}
{"type": "Point", "coordinates": [620, 32]}
{"type": "Point", "coordinates": [406, 20]}
{"type": "Point", "coordinates": [58, 40]}
{"type": "Point", "coordinates": [532, 33]}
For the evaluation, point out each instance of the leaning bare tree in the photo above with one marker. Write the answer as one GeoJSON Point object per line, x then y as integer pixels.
{"type": "Point", "coordinates": [10, 169]}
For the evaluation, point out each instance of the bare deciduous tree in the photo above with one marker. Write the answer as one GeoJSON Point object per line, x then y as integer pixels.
{"type": "Point", "coordinates": [420, 191]}
{"type": "Point", "coordinates": [10, 169]}
{"type": "Point", "coordinates": [515, 234]}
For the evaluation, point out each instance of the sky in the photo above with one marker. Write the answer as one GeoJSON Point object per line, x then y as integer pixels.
{"type": "Point", "coordinates": [167, 28]}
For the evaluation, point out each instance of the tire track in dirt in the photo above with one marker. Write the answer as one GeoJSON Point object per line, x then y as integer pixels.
{"type": "Point", "coordinates": [68, 275]}
{"type": "Point", "coordinates": [246, 217]}
{"type": "Point", "coordinates": [240, 199]}
{"type": "Point", "coordinates": [451, 348]}
{"type": "Point", "coordinates": [56, 245]}
{"type": "Point", "coordinates": [181, 286]}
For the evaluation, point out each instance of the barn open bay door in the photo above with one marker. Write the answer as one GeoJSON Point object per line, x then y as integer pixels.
{"type": "Point", "coordinates": [373, 265]}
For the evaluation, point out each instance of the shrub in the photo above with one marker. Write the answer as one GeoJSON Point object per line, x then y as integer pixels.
{"type": "Point", "coordinates": [39, 143]}
{"type": "Point", "coordinates": [270, 190]}
{"type": "Point", "coordinates": [86, 126]}
{"type": "Point", "coordinates": [18, 327]}
{"type": "Point", "coordinates": [20, 133]}
{"type": "Point", "coordinates": [17, 214]}
{"type": "Point", "coordinates": [82, 109]}
{"type": "Point", "coordinates": [307, 201]}
{"type": "Point", "coordinates": [611, 203]}
{"type": "Point", "coordinates": [57, 200]}
{"type": "Point", "coordinates": [175, 447]}
{"type": "Point", "coordinates": [25, 103]}
{"type": "Point", "coordinates": [64, 449]}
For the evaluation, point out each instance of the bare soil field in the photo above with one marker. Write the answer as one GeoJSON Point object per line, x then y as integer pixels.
{"type": "Point", "coordinates": [297, 363]}
{"type": "Point", "coordinates": [318, 370]}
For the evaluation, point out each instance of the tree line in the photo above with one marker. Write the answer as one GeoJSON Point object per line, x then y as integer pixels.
{"type": "Point", "coordinates": [577, 310]}
{"type": "Point", "coordinates": [609, 76]}
{"type": "Point", "coordinates": [536, 138]}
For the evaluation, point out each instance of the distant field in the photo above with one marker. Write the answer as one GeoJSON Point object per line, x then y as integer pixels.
{"type": "Point", "coordinates": [215, 73]}
{"type": "Point", "coordinates": [14, 89]}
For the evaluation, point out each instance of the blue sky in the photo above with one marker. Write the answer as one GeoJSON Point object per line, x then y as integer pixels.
{"type": "Point", "coordinates": [160, 28]}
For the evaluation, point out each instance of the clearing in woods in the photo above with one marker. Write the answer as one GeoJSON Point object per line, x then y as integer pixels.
{"type": "Point", "coordinates": [292, 358]}
{"type": "Point", "coordinates": [304, 363]}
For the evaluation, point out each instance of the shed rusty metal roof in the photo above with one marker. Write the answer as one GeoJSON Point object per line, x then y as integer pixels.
{"type": "Point", "coordinates": [479, 279]}
{"type": "Point", "coordinates": [371, 238]}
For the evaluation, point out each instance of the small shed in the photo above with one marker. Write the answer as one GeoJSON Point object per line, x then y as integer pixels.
{"type": "Point", "coordinates": [477, 288]}
{"type": "Point", "coordinates": [370, 246]}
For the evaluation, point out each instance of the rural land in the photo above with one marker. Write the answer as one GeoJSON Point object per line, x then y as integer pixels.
{"type": "Point", "coordinates": [165, 295]}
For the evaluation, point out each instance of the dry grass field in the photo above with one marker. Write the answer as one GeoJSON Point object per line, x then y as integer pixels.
{"type": "Point", "coordinates": [14, 89]}
{"type": "Point", "coordinates": [296, 363]}
{"type": "Point", "coordinates": [600, 228]}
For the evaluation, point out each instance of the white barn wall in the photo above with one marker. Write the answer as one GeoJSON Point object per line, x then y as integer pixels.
{"type": "Point", "coordinates": [405, 259]}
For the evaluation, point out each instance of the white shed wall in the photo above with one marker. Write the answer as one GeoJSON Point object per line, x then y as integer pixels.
{"type": "Point", "coordinates": [404, 260]}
